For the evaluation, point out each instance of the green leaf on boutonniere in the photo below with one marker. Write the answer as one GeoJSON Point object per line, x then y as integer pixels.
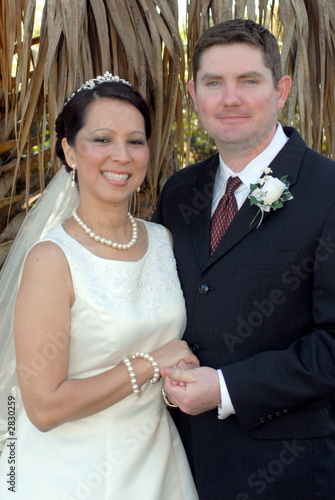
{"type": "Point", "coordinates": [253, 201]}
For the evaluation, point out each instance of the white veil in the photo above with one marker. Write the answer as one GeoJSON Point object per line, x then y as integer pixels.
{"type": "Point", "coordinates": [54, 206]}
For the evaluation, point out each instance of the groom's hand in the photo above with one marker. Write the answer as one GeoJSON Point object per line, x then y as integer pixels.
{"type": "Point", "coordinates": [194, 390]}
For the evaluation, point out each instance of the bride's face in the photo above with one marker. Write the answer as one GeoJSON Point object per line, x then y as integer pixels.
{"type": "Point", "coordinates": [111, 152]}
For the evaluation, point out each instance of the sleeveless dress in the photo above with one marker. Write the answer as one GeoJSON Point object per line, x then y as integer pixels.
{"type": "Point", "coordinates": [131, 450]}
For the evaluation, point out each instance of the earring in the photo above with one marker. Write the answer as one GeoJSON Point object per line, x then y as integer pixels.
{"type": "Point", "coordinates": [138, 189]}
{"type": "Point", "coordinates": [73, 176]}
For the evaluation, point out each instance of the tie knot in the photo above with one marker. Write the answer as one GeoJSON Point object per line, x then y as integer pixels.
{"type": "Point", "coordinates": [232, 184]}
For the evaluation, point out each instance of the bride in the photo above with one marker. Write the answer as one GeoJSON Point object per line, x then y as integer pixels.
{"type": "Point", "coordinates": [99, 311]}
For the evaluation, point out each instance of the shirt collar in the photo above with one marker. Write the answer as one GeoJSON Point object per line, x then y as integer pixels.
{"type": "Point", "coordinates": [253, 170]}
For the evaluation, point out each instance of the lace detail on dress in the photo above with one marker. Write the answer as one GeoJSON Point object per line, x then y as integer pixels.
{"type": "Point", "coordinates": [141, 282]}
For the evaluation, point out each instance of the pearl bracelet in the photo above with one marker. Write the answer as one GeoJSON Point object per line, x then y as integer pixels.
{"type": "Point", "coordinates": [133, 379]}
{"type": "Point", "coordinates": [143, 355]}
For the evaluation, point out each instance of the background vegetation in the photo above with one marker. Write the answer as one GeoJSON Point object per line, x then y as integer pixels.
{"type": "Point", "coordinates": [142, 41]}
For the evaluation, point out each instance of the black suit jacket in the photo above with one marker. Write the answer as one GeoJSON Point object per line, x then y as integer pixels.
{"type": "Point", "coordinates": [261, 308]}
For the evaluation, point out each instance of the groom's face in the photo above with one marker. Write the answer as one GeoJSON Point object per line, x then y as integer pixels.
{"type": "Point", "coordinates": [236, 99]}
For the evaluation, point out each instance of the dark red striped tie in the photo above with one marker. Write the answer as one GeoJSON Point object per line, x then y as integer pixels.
{"type": "Point", "coordinates": [225, 212]}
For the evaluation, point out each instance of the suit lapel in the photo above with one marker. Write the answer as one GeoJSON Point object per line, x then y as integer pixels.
{"type": "Point", "coordinates": [289, 159]}
{"type": "Point", "coordinates": [201, 202]}
{"type": "Point", "coordinates": [287, 162]}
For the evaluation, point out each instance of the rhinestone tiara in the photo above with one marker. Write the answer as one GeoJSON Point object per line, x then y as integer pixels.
{"type": "Point", "coordinates": [90, 84]}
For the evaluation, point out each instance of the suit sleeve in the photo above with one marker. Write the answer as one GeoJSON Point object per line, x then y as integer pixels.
{"type": "Point", "coordinates": [272, 383]}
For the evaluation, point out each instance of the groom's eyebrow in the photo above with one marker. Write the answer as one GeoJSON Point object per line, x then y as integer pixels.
{"type": "Point", "coordinates": [247, 74]}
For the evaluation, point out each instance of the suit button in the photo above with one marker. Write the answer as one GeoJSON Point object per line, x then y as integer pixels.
{"type": "Point", "coordinates": [203, 289]}
{"type": "Point", "coordinates": [195, 348]}
{"type": "Point", "coordinates": [285, 412]}
{"type": "Point", "coordinates": [269, 417]}
{"type": "Point", "coordinates": [261, 420]}
{"type": "Point", "coordinates": [278, 413]}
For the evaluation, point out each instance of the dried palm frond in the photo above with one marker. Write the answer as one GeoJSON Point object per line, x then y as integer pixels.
{"type": "Point", "coordinates": [308, 55]}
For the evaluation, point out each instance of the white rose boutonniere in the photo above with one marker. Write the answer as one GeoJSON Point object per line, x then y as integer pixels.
{"type": "Point", "coordinates": [269, 193]}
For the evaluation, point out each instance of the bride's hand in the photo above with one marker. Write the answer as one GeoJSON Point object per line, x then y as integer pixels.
{"type": "Point", "coordinates": [175, 353]}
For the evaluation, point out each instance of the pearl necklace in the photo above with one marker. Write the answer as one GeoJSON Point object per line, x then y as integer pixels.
{"type": "Point", "coordinates": [104, 241]}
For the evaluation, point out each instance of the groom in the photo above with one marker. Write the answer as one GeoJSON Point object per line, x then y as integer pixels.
{"type": "Point", "coordinates": [258, 417]}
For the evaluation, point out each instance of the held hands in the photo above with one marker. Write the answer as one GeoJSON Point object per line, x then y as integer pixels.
{"type": "Point", "coordinates": [194, 389]}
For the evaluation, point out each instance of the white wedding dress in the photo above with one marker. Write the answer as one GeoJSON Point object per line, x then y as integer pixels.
{"type": "Point", "coordinates": [130, 451]}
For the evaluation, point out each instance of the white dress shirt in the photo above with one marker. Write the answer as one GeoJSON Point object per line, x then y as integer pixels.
{"type": "Point", "coordinates": [249, 175]}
